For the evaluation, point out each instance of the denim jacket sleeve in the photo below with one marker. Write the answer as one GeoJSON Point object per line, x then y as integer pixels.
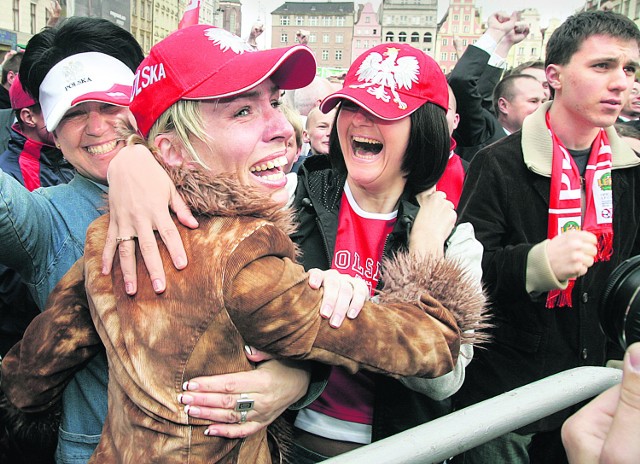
{"type": "Point", "coordinates": [23, 225]}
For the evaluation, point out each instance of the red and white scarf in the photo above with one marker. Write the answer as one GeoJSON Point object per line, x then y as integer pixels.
{"type": "Point", "coordinates": [565, 207]}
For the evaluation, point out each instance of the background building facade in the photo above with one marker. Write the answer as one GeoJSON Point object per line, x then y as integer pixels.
{"type": "Point", "coordinates": [330, 26]}
{"type": "Point", "coordinates": [413, 22]}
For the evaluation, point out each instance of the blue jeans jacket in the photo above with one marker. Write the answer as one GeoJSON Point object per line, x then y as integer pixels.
{"type": "Point", "coordinates": [42, 235]}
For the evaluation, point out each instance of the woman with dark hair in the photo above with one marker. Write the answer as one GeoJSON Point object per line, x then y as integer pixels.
{"type": "Point", "coordinates": [371, 198]}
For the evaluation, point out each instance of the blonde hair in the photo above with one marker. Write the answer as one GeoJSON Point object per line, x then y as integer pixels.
{"type": "Point", "coordinates": [295, 119]}
{"type": "Point", "coordinates": [183, 119]}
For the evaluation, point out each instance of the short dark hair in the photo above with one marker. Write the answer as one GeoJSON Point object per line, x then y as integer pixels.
{"type": "Point", "coordinates": [427, 152]}
{"type": "Point", "coordinates": [72, 36]}
{"type": "Point", "coordinates": [11, 65]}
{"type": "Point", "coordinates": [506, 89]}
{"type": "Point", "coordinates": [567, 39]}
{"type": "Point", "coordinates": [534, 64]}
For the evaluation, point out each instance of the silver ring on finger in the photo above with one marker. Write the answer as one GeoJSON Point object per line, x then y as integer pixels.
{"type": "Point", "coordinates": [244, 403]}
{"type": "Point", "coordinates": [126, 239]}
{"type": "Point", "coordinates": [243, 417]}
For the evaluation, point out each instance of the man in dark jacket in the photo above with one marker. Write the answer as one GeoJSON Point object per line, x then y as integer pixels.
{"type": "Point", "coordinates": [514, 98]}
{"type": "Point", "coordinates": [555, 206]}
{"type": "Point", "coordinates": [32, 159]}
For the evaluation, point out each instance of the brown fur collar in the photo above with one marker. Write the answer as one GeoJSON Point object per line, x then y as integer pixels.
{"type": "Point", "coordinates": [208, 194]}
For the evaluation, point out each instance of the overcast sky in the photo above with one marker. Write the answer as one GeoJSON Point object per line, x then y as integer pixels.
{"type": "Point", "coordinates": [261, 9]}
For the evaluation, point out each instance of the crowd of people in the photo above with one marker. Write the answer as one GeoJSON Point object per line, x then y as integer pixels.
{"type": "Point", "coordinates": [212, 255]}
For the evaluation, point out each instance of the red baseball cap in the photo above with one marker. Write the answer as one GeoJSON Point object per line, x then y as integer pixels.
{"type": "Point", "coordinates": [204, 62]}
{"type": "Point", "coordinates": [18, 96]}
{"type": "Point", "coordinates": [391, 81]}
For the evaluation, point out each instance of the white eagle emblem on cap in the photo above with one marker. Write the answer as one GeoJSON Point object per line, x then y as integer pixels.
{"type": "Point", "coordinates": [226, 40]}
{"type": "Point", "coordinates": [72, 71]}
{"type": "Point", "coordinates": [379, 73]}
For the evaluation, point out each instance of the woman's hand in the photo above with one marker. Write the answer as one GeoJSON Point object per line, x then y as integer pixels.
{"type": "Point", "coordinates": [273, 387]}
{"type": "Point", "coordinates": [343, 295]}
{"type": "Point", "coordinates": [433, 224]}
{"type": "Point", "coordinates": [139, 192]}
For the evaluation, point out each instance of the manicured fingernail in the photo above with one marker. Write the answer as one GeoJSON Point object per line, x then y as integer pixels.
{"type": "Point", "coordinates": [128, 287]}
{"type": "Point", "coordinates": [105, 271]}
{"type": "Point", "coordinates": [192, 410]}
{"type": "Point", "coordinates": [212, 432]}
{"type": "Point", "coordinates": [157, 286]}
{"type": "Point", "coordinates": [351, 314]}
{"type": "Point", "coordinates": [185, 399]}
{"type": "Point", "coordinates": [190, 385]}
{"type": "Point", "coordinates": [248, 350]}
{"type": "Point", "coordinates": [326, 311]}
{"type": "Point", "coordinates": [181, 262]}
{"type": "Point", "coordinates": [335, 321]}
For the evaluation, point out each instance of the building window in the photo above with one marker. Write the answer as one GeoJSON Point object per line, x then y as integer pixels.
{"type": "Point", "coordinates": [33, 18]}
{"type": "Point", "coordinates": [339, 38]}
{"type": "Point", "coordinates": [284, 20]}
{"type": "Point", "coordinates": [375, 31]}
{"type": "Point", "coordinates": [520, 50]}
{"type": "Point", "coordinates": [467, 18]}
{"type": "Point", "coordinates": [456, 17]}
{"type": "Point", "coordinates": [299, 21]}
{"type": "Point", "coordinates": [443, 56]}
{"type": "Point", "coordinates": [325, 38]}
{"type": "Point", "coordinates": [445, 42]}
{"type": "Point", "coordinates": [340, 21]}
{"type": "Point", "coordinates": [366, 44]}
{"type": "Point", "coordinates": [325, 55]}
{"type": "Point", "coordinates": [465, 29]}
{"type": "Point", "coordinates": [534, 51]}
{"type": "Point", "coordinates": [313, 38]}
{"type": "Point", "coordinates": [427, 37]}
{"type": "Point", "coordinates": [338, 55]}
{"type": "Point", "coordinates": [284, 38]}
{"type": "Point", "coordinates": [16, 15]}
{"type": "Point", "coordinates": [455, 28]}
{"type": "Point", "coordinates": [415, 37]}
{"type": "Point", "coordinates": [358, 45]}
{"type": "Point", "coordinates": [326, 20]}
{"type": "Point", "coordinates": [367, 20]}
{"type": "Point", "coordinates": [403, 19]}
{"type": "Point", "coordinates": [313, 20]}
{"type": "Point", "coordinates": [465, 42]}
{"type": "Point", "coordinates": [454, 56]}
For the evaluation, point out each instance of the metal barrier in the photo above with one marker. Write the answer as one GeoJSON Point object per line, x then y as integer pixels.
{"type": "Point", "coordinates": [465, 429]}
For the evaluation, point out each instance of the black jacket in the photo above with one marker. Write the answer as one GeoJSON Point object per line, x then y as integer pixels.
{"type": "Point", "coordinates": [506, 198]}
{"type": "Point", "coordinates": [317, 202]}
{"type": "Point", "coordinates": [478, 126]}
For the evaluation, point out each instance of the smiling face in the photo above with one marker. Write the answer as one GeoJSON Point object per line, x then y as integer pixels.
{"type": "Point", "coordinates": [373, 150]}
{"type": "Point", "coordinates": [247, 137]}
{"type": "Point", "coordinates": [592, 87]}
{"type": "Point", "coordinates": [317, 130]}
{"type": "Point", "coordinates": [88, 137]}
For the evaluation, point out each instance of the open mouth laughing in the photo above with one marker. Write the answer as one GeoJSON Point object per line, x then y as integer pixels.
{"type": "Point", "coordinates": [366, 148]}
{"type": "Point", "coordinates": [271, 170]}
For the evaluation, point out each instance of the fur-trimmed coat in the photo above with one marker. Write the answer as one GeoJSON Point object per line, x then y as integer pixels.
{"type": "Point", "coordinates": [242, 286]}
